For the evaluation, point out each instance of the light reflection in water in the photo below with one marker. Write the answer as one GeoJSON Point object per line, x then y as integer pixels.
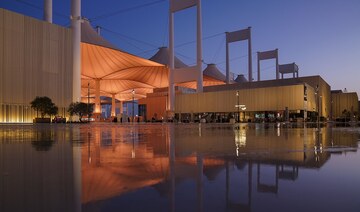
{"type": "Point", "coordinates": [33, 180]}
{"type": "Point", "coordinates": [240, 137]}
{"type": "Point", "coordinates": [193, 155]}
{"type": "Point", "coordinates": [185, 167]}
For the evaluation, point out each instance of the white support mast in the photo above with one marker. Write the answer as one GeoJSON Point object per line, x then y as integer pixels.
{"type": "Point", "coordinates": [195, 73]}
{"type": "Point", "coordinates": [199, 87]}
{"type": "Point", "coordinates": [76, 36]}
{"type": "Point", "coordinates": [171, 102]}
{"type": "Point", "coordinates": [48, 11]}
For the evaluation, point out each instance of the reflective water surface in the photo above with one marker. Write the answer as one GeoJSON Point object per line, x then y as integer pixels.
{"type": "Point", "coordinates": [178, 167]}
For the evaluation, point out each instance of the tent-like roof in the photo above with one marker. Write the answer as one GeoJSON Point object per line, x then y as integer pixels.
{"type": "Point", "coordinates": [207, 81]}
{"type": "Point", "coordinates": [89, 35]}
{"type": "Point", "coordinates": [162, 56]}
{"type": "Point", "coordinates": [240, 79]}
{"type": "Point", "coordinates": [212, 71]}
{"type": "Point", "coordinates": [119, 72]}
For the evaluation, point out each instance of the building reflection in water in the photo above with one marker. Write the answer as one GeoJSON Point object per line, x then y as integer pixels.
{"type": "Point", "coordinates": [126, 160]}
{"type": "Point", "coordinates": [179, 162]}
{"type": "Point", "coordinates": [37, 169]}
{"type": "Point", "coordinates": [240, 137]}
{"type": "Point", "coordinates": [165, 167]}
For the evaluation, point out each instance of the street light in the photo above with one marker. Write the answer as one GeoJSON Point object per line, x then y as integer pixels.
{"type": "Point", "coordinates": [133, 104]}
{"type": "Point", "coordinates": [238, 105]}
{"type": "Point", "coordinates": [317, 105]}
{"type": "Point", "coordinates": [320, 105]}
{"type": "Point", "coordinates": [88, 104]}
{"type": "Point", "coordinates": [243, 108]}
{"type": "Point", "coordinates": [331, 111]}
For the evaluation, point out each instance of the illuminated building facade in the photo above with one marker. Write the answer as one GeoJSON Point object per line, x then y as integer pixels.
{"type": "Point", "coordinates": [344, 105]}
{"type": "Point", "coordinates": [302, 98]}
{"type": "Point", "coordinates": [35, 60]}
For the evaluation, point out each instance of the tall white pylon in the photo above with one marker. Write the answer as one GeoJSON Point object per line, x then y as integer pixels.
{"type": "Point", "coordinates": [272, 54]}
{"type": "Point", "coordinates": [76, 36]}
{"type": "Point", "coordinates": [240, 35]}
{"type": "Point", "coordinates": [48, 11]}
{"type": "Point", "coordinates": [175, 6]}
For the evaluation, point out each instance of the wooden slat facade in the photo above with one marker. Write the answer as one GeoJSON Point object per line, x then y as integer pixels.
{"type": "Point", "coordinates": [344, 101]}
{"type": "Point", "coordinates": [256, 99]}
{"type": "Point", "coordinates": [35, 60]}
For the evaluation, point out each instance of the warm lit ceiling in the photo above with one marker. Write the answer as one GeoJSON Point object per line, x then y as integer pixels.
{"type": "Point", "coordinates": [120, 72]}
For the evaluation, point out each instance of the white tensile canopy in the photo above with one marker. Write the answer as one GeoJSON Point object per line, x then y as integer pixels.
{"type": "Point", "coordinates": [119, 72]}
{"type": "Point", "coordinates": [209, 79]}
{"type": "Point", "coordinates": [162, 56]}
{"type": "Point", "coordinates": [241, 79]}
{"type": "Point", "coordinates": [212, 71]}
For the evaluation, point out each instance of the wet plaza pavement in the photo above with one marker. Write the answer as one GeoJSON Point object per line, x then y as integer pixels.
{"type": "Point", "coordinates": [178, 167]}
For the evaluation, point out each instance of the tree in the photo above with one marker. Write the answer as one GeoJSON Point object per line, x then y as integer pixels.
{"type": "Point", "coordinates": [52, 111]}
{"type": "Point", "coordinates": [44, 105]}
{"type": "Point", "coordinates": [43, 141]}
{"type": "Point", "coordinates": [80, 109]}
{"type": "Point", "coordinates": [346, 114]}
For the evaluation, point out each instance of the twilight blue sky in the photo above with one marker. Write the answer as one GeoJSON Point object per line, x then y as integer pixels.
{"type": "Point", "coordinates": [321, 36]}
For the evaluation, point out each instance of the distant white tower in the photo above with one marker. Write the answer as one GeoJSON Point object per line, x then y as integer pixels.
{"type": "Point", "coordinates": [191, 72]}
{"type": "Point", "coordinates": [240, 35]}
{"type": "Point", "coordinates": [48, 10]}
{"type": "Point", "coordinates": [76, 35]}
